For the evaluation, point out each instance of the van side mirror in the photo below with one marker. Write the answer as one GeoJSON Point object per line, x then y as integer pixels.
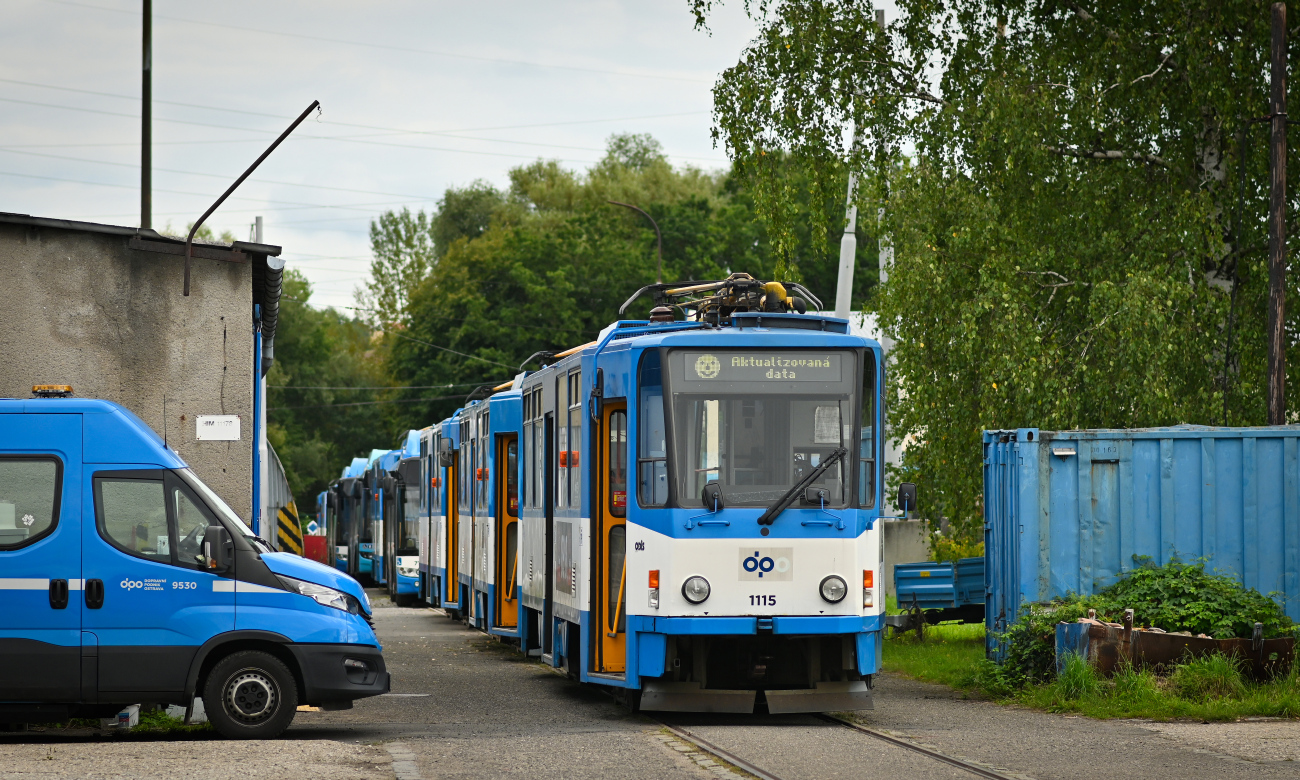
{"type": "Point", "coordinates": [218, 549]}
{"type": "Point", "coordinates": [445, 453]}
{"type": "Point", "coordinates": [906, 497]}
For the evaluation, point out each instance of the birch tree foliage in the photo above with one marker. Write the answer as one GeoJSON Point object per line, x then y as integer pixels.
{"type": "Point", "coordinates": [1076, 192]}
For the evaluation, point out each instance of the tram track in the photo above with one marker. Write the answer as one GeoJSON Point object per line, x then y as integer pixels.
{"type": "Point", "coordinates": [763, 774]}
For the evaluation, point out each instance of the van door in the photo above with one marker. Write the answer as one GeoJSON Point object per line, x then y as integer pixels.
{"type": "Point", "coordinates": [150, 601]}
{"type": "Point", "coordinates": [40, 557]}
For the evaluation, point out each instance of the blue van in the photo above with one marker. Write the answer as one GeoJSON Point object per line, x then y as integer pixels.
{"type": "Point", "coordinates": [124, 579]}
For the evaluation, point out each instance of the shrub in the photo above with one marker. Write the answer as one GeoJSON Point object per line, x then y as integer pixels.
{"type": "Point", "coordinates": [1175, 597]}
{"type": "Point", "coordinates": [1031, 642]}
{"type": "Point", "coordinates": [1208, 677]}
{"type": "Point", "coordinates": [1184, 597]}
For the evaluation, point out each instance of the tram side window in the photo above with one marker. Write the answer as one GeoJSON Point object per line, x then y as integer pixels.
{"type": "Point", "coordinates": [526, 465]}
{"type": "Point", "coordinates": [575, 439]}
{"type": "Point", "coordinates": [867, 437]}
{"type": "Point", "coordinates": [481, 472]}
{"type": "Point", "coordinates": [561, 445]}
{"type": "Point", "coordinates": [512, 478]}
{"type": "Point", "coordinates": [618, 463]}
{"type": "Point", "coordinates": [652, 439]}
{"type": "Point", "coordinates": [537, 453]}
{"type": "Point", "coordinates": [464, 470]}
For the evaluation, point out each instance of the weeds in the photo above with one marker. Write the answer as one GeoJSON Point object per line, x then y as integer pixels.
{"type": "Point", "coordinates": [1077, 680]}
{"type": "Point", "coordinates": [1208, 689]}
{"type": "Point", "coordinates": [1209, 677]}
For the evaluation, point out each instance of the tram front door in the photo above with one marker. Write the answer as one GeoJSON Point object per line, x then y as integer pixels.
{"type": "Point", "coordinates": [610, 602]}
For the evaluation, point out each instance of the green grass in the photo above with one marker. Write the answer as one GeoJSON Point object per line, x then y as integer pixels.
{"type": "Point", "coordinates": [1205, 689]}
{"type": "Point", "coordinates": [159, 722]}
{"type": "Point", "coordinates": [952, 654]}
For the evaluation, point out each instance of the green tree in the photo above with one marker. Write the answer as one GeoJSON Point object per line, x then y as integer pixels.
{"type": "Point", "coordinates": [404, 253]}
{"type": "Point", "coordinates": [557, 261]}
{"type": "Point", "coordinates": [463, 212]}
{"type": "Point", "coordinates": [1075, 191]}
{"type": "Point", "coordinates": [321, 408]}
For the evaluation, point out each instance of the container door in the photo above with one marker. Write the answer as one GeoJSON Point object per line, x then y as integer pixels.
{"type": "Point", "coordinates": [453, 532]}
{"type": "Point", "coordinates": [610, 602]}
{"type": "Point", "coordinates": [1001, 537]}
{"type": "Point", "coordinates": [40, 557]}
{"type": "Point", "coordinates": [507, 533]}
{"type": "Point", "coordinates": [150, 600]}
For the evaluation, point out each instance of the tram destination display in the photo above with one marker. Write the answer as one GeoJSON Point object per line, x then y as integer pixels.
{"type": "Point", "coordinates": [754, 366]}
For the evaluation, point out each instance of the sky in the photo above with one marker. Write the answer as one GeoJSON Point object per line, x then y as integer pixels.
{"type": "Point", "coordinates": [416, 97]}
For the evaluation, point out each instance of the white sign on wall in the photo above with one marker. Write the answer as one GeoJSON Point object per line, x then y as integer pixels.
{"type": "Point", "coordinates": [217, 427]}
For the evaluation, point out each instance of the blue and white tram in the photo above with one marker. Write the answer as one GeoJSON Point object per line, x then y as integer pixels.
{"type": "Point", "coordinates": [683, 510]}
{"type": "Point", "coordinates": [699, 506]}
{"type": "Point", "coordinates": [347, 493]}
{"type": "Point", "coordinates": [401, 517]}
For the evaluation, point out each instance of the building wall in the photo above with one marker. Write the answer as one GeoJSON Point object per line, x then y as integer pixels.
{"type": "Point", "coordinates": [905, 542]}
{"type": "Point", "coordinates": [84, 309]}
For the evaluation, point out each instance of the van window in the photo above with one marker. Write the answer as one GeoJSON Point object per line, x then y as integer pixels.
{"type": "Point", "coordinates": [133, 516]}
{"type": "Point", "coordinates": [191, 526]}
{"type": "Point", "coordinates": [29, 500]}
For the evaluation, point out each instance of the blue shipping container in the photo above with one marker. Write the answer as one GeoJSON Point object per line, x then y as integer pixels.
{"type": "Point", "coordinates": [1066, 511]}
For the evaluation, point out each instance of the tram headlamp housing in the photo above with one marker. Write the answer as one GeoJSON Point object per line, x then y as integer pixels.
{"type": "Point", "coordinates": [696, 589]}
{"type": "Point", "coordinates": [408, 565]}
{"type": "Point", "coordinates": [833, 588]}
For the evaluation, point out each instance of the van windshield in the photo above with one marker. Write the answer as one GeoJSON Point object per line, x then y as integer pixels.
{"type": "Point", "coordinates": [216, 504]}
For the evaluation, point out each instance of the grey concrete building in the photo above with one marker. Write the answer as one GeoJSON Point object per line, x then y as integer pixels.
{"type": "Point", "coordinates": [100, 308]}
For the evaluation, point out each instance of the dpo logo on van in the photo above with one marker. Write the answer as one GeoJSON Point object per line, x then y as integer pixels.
{"type": "Point", "coordinates": [766, 564]}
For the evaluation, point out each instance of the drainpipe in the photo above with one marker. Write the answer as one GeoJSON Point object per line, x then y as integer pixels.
{"type": "Point", "coordinates": [259, 438]}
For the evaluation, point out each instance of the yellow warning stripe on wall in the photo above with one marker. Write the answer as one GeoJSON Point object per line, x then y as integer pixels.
{"type": "Point", "coordinates": [288, 531]}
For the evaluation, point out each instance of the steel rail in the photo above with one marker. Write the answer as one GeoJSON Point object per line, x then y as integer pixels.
{"type": "Point", "coordinates": [936, 755]}
{"type": "Point", "coordinates": [717, 752]}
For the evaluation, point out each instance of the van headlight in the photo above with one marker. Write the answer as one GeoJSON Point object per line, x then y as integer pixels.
{"type": "Point", "coordinates": [324, 596]}
{"type": "Point", "coordinates": [408, 565]}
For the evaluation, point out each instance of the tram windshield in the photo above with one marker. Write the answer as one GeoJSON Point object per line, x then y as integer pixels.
{"type": "Point", "coordinates": [758, 421]}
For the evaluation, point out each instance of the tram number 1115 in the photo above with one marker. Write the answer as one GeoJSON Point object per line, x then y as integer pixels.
{"type": "Point", "coordinates": [762, 601]}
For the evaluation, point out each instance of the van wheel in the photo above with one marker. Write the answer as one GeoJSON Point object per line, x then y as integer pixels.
{"type": "Point", "coordinates": [250, 695]}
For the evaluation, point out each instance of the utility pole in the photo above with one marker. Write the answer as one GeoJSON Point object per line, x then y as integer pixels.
{"type": "Point", "coordinates": [146, 121]}
{"type": "Point", "coordinates": [1277, 228]}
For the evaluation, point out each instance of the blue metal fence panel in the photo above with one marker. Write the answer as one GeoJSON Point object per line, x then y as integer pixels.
{"type": "Point", "coordinates": [946, 585]}
{"type": "Point", "coordinates": [1068, 511]}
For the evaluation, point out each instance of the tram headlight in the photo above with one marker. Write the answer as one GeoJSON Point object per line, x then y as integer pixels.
{"type": "Point", "coordinates": [696, 589]}
{"type": "Point", "coordinates": [408, 565]}
{"type": "Point", "coordinates": [654, 589]}
{"type": "Point", "coordinates": [833, 588]}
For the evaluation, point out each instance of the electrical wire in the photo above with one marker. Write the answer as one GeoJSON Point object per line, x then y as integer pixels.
{"type": "Point", "coordinates": [350, 124]}
{"type": "Point", "coordinates": [375, 387]}
{"type": "Point", "coordinates": [389, 47]}
{"type": "Point", "coordinates": [222, 176]}
{"type": "Point", "coordinates": [270, 409]}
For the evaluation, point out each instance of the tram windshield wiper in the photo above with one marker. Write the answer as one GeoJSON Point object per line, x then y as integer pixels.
{"type": "Point", "coordinates": [788, 497]}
